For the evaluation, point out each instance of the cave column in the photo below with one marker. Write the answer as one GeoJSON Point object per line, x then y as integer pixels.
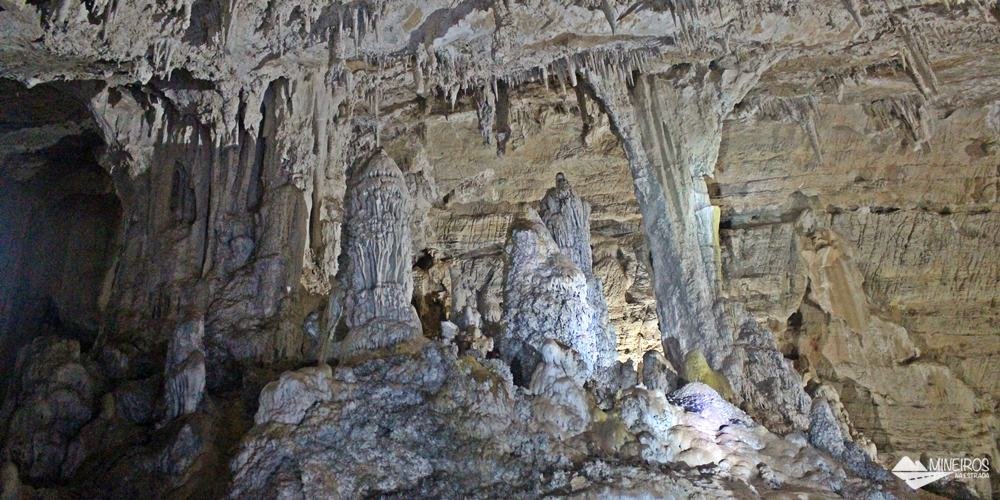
{"type": "Point", "coordinates": [670, 125]}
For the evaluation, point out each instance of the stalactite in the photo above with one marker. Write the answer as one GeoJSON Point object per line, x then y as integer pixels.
{"type": "Point", "coordinates": [801, 110]}
{"type": "Point", "coordinates": [916, 61]}
{"type": "Point", "coordinates": [502, 124]}
{"type": "Point", "coordinates": [486, 113]}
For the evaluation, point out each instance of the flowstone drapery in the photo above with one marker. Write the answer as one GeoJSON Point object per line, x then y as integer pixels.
{"type": "Point", "coordinates": [379, 280]}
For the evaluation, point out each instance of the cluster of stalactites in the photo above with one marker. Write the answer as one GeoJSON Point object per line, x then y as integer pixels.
{"type": "Point", "coordinates": [801, 110]}
{"type": "Point", "coordinates": [906, 111]}
{"type": "Point", "coordinates": [453, 73]}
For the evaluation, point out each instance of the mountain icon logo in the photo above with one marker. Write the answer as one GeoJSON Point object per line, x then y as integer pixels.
{"type": "Point", "coordinates": [914, 474]}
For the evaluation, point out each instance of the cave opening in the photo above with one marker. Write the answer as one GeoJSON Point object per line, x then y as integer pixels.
{"type": "Point", "coordinates": [59, 219]}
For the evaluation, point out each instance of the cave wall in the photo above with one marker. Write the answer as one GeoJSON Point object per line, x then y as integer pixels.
{"type": "Point", "coordinates": [845, 149]}
{"type": "Point", "coordinates": [873, 263]}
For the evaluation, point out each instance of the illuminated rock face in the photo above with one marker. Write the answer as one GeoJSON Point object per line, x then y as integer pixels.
{"type": "Point", "coordinates": [379, 278]}
{"type": "Point", "coordinates": [545, 297]}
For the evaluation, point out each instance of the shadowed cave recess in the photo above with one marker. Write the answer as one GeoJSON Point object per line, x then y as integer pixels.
{"type": "Point", "coordinates": [483, 248]}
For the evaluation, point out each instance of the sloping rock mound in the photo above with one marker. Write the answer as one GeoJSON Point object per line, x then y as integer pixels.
{"type": "Point", "coordinates": [421, 421]}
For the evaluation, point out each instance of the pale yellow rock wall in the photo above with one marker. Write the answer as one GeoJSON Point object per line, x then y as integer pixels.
{"type": "Point", "coordinates": [893, 249]}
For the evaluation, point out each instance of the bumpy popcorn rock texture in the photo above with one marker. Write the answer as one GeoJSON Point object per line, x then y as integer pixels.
{"type": "Point", "coordinates": [259, 249]}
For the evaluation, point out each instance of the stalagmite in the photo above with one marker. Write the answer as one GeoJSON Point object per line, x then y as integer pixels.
{"type": "Point", "coordinates": [377, 241]}
{"type": "Point", "coordinates": [567, 217]}
{"type": "Point", "coordinates": [185, 370]}
{"type": "Point", "coordinates": [546, 296]}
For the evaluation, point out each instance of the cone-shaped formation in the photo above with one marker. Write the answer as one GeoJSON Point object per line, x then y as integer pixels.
{"type": "Point", "coordinates": [567, 217]}
{"type": "Point", "coordinates": [379, 281]}
{"type": "Point", "coordinates": [546, 293]}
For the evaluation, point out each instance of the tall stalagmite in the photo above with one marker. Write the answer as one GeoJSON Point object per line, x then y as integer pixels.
{"type": "Point", "coordinates": [377, 240]}
{"type": "Point", "coordinates": [567, 217]}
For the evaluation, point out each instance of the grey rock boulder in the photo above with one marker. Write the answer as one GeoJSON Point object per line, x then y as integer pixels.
{"type": "Point", "coordinates": [287, 399]}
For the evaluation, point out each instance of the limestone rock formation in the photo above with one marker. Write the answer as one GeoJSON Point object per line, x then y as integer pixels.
{"type": "Point", "coordinates": [560, 399]}
{"type": "Point", "coordinates": [48, 403]}
{"type": "Point", "coordinates": [567, 217]}
{"type": "Point", "coordinates": [377, 307]}
{"type": "Point", "coordinates": [546, 296]}
{"type": "Point", "coordinates": [287, 399]}
{"type": "Point", "coordinates": [185, 370]}
{"type": "Point", "coordinates": [772, 388]}
{"type": "Point", "coordinates": [657, 373]}
{"type": "Point", "coordinates": [279, 249]}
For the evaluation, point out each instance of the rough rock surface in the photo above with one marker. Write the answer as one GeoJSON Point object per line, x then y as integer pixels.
{"type": "Point", "coordinates": [450, 426]}
{"type": "Point", "coordinates": [547, 296]}
{"type": "Point", "coordinates": [287, 399]}
{"type": "Point", "coordinates": [798, 197]}
{"type": "Point", "coordinates": [773, 389]}
{"type": "Point", "coordinates": [185, 369]}
{"type": "Point", "coordinates": [50, 401]}
{"type": "Point", "coordinates": [658, 373]}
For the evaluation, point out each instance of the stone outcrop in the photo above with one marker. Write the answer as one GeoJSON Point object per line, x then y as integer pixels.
{"type": "Point", "coordinates": [774, 391]}
{"type": "Point", "coordinates": [657, 373]}
{"type": "Point", "coordinates": [50, 401]}
{"type": "Point", "coordinates": [452, 426]}
{"type": "Point", "coordinates": [287, 399]}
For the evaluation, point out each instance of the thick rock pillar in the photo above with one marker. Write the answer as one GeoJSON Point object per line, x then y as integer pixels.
{"type": "Point", "coordinates": [379, 278]}
{"type": "Point", "coordinates": [671, 130]}
{"type": "Point", "coordinates": [670, 125]}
